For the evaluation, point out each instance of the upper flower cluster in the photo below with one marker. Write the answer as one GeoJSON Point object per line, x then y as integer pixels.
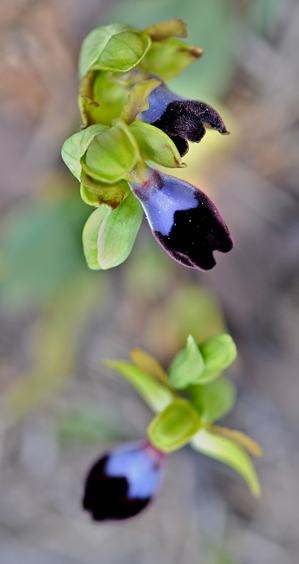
{"type": "Point", "coordinates": [132, 118]}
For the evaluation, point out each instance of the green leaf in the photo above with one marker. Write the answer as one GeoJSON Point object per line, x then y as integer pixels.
{"type": "Point", "coordinates": [115, 47]}
{"type": "Point", "coordinates": [87, 425]}
{"type": "Point", "coordinates": [101, 99]}
{"type": "Point", "coordinates": [174, 427]}
{"type": "Point", "coordinates": [227, 451]}
{"type": "Point", "coordinates": [155, 394]}
{"type": "Point", "coordinates": [109, 235]}
{"type": "Point", "coordinates": [169, 58]}
{"type": "Point", "coordinates": [213, 400]}
{"type": "Point", "coordinates": [187, 366]}
{"type": "Point", "coordinates": [218, 352]}
{"type": "Point", "coordinates": [75, 146]}
{"type": "Point", "coordinates": [170, 28]}
{"type": "Point", "coordinates": [111, 154]}
{"type": "Point", "coordinates": [108, 194]}
{"type": "Point", "coordinates": [155, 145]}
{"type": "Point", "coordinates": [138, 99]}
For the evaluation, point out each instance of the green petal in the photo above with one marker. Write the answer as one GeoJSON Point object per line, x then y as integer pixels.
{"type": "Point", "coordinates": [155, 145]}
{"type": "Point", "coordinates": [109, 235]}
{"type": "Point", "coordinates": [227, 451]}
{"type": "Point", "coordinates": [111, 154]}
{"type": "Point", "coordinates": [187, 366]}
{"type": "Point", "coordinates": [115, 47]}
{"type": "Point", "coordinates": [218, 352]}
{"type": "Point", "coordinates": [174, 427]}
{"type": "Point", "coordinates": [169, 58]}
{"type": "Point", "coordinates": [75, 146]}
{"type": "Point", "coordinates": [153, 392]}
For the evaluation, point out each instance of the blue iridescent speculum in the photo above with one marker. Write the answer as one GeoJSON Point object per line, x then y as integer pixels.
{"type": "Point", "coordinates": [183, 219]}
{"type": "Point", "coordinates": [124, 481]}
{"type": "Point", "coordinates": [181, 119]}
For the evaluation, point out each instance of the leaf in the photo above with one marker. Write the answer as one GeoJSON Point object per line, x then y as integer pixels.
{"type": "Point", "coordinates": [84, 425]}
{"type": "Point", "coordinates": [152, 392]}
{"type": "Point", "coordinates": [169, 58]}
{"type": "Point", "coordinates": [138, 99]}
{"type": "Point", "coordinates": [111, 154]}
{"type": "Point", "coordinates": [187, 365]}
{"type": "Point", "coordinates": [174, 426]}
{"type": "Point", "coordinates": [109, 235]}
{"type": "Point", "coordinates": [238, 437]}
{"type": "Point", "coordinates": [213, 400]}
{"type": "Point", "coordinates": [115, 47]}
{"type": "Point", "coordinates": [155, 145]}
{"type": "Point", "coordinates": [107, 194]}
{"type": "Point", "coordinates": [149, 364]}
{"type": "Point", "coordinates": [218, 352]}
{"type": "Point", "coordinates": [75, 146]}
{"type": "Point", "coordinates": [170, 28]}
{"type": "Point", "coordinates": [227, 451]}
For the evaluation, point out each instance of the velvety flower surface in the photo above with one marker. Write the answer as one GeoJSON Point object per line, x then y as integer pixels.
{"type": "Point", "coordinates": [124, 481]}
{"type": "Point", "coordinates": [182, 120]}
{"type": "Point", "coordinates": [183, 219]}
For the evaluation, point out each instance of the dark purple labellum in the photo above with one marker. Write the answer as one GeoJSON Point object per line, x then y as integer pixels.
{"type": "Point", "coordinates": [124, 481]}
{"type": "Point", "coordinates": [182, 120]}
{"type": "Point", "coordinates": [183, 219]}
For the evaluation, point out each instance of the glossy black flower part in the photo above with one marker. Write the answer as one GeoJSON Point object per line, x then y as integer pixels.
{"type": "Point", "coordinates": [183, 219]}
{"type": "Point", "coordinates": [123, 482]}
{"type": "Point", "coordinates": [182, 120]}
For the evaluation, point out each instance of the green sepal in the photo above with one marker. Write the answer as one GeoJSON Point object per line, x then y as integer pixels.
{"type": "Point", "coordinates": [109, 235]}
{"type": "Point", "coordinates": [175, 426]}
{"type": "Point", "coordinates": [170, 57]}
{"type": "Point", "coordinates": [138, 99]}
{"type": "Point", "coordinates": [155, 145]}
{"type": "Point", "coordinates": [101, 98]}
{"type": "Point", "coordinates": [111, 154]}
{"type": "Point", "coordinates": [187, 366]}
{"type": "Point", "coordinates": [75, 146]}
{"type": "Point", "coordinates": [116, 47]}
{"type": "Point", "coordinates": [230, 453]}
{"type": "Point", "coordinates": [218, 352]}
{"type": "Point", "coordinates": [152, 392]}
{"type": "Point", "coordinates": [94, 194]}
{"type": "Point", "coordinates": [213, 400]}
{"type": "Point", "coordinates": [170, 28]}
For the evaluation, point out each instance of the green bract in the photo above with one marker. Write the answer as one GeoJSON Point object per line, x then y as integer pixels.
{"type": "Point", "coordinates": [75, 146]}
{"type": "Point", "coordinates": [174, 427]}
{"type": "Point", "coordinates": [115, 47]}
{"type": "Point", "coordinates": [109, 235]}
{"type": "Point", "coordinates": [111, 154]}
{"type": "Point", "coordinates": [213, 400]}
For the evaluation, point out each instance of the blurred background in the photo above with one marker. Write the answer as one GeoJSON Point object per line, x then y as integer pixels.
{"type": "Point", "coordinates": [60, 407]}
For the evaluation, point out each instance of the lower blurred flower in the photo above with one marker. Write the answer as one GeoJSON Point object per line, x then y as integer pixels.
{"type": "Point", "coordinates": [182, 120]}
{"type": "Point", "coordinates": [124, 481]}
{"type": "Point", "coordinates": [183, 219]}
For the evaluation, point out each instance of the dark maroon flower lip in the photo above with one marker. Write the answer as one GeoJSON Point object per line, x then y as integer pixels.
{"type": "Point", "coordinates": [183, 219]}
{"type": "Point", "coordinates": [123, 481]}
{"type": "Point", "coordinates": [182, 120]}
